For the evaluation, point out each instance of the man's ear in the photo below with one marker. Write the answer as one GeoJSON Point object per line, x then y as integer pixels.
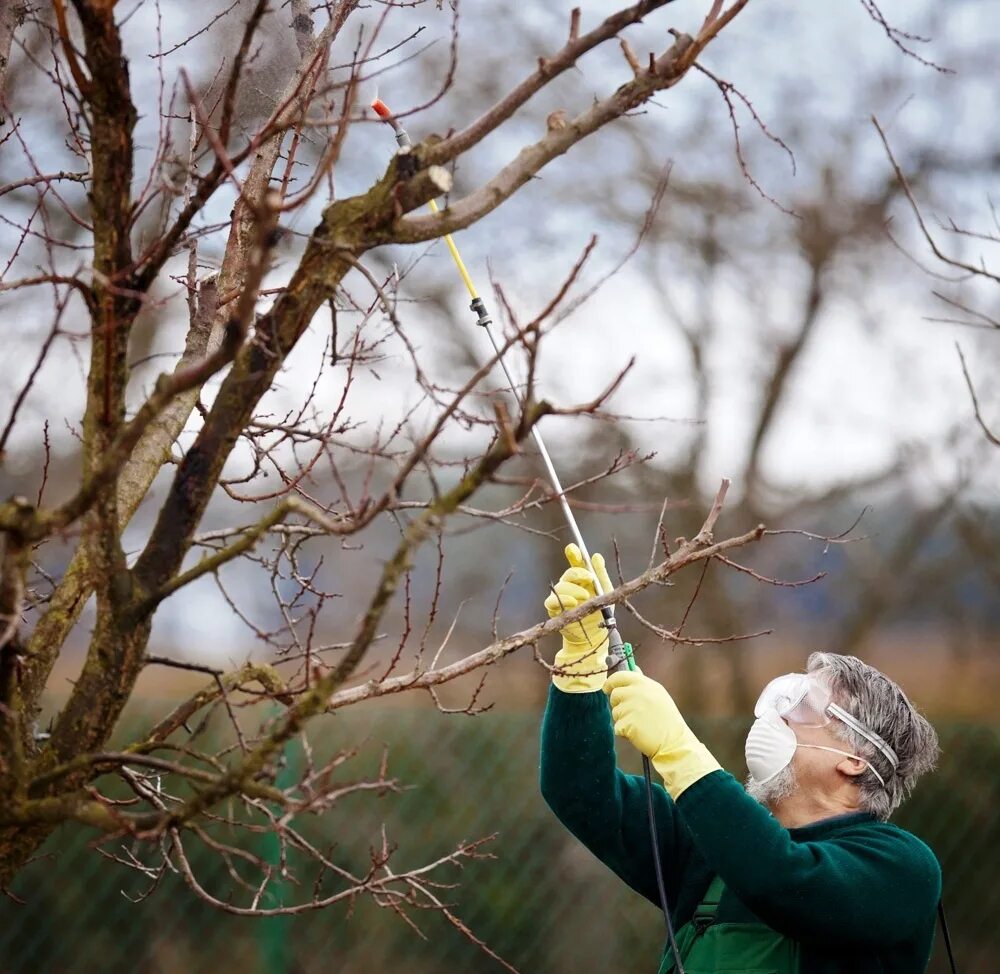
{"type": "Point", "coordinates": [852, 767]}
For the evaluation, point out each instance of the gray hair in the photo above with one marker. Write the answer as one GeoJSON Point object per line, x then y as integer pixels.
{"type": "Point", "coordinates": [881, 706]}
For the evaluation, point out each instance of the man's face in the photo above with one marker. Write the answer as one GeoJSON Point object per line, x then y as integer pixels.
{"type": "Point", "coordinates": [811, 771]}
{"type": "Point", "coordinates": [819, 763]}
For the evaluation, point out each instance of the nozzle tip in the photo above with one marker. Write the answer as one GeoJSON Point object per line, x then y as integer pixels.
{"type": "Point", "coordinates": [381, 109]}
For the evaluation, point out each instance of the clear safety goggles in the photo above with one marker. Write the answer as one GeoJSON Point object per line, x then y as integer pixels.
{"type": "Point", "coordinates": [801, 698]}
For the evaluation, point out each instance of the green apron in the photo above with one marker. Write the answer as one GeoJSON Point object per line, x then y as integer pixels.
{"type": "Point", "coordinates": [707, 947]}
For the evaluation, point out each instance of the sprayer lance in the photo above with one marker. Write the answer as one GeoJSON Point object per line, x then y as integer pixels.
{"type": "Point", "coordinates": [619, 652]}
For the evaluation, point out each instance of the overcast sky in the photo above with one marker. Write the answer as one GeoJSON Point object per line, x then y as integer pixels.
{"type": "Point", "coordinates": [871, 379]}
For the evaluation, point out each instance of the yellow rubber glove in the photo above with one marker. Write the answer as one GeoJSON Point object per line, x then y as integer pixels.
{"type": "Point", "coordinates": [645, 714]}
{"type": "Point", "coordinates": [584, 654]}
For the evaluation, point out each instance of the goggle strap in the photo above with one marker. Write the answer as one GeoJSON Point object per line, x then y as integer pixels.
{"type": "Point", "coordinates": [833, 750]}
{"type": "Point", "coordinates": [868, 735]}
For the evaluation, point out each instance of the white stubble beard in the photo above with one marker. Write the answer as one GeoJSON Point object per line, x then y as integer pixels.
{"type": "Point", "coordinates": [775, 789]}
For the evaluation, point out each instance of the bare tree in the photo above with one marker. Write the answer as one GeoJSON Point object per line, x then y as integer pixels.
{"type": "Point", "coordinates": [118, 254]}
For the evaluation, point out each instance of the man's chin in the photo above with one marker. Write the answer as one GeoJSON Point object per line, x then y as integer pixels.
{"type": "Point", "coordinates": [774, 790]}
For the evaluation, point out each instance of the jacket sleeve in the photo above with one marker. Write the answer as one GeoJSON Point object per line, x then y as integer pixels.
{"type": "Point", "coordinates": [603, 807]}
{"type": "Point", "coordinates": [860, 887]}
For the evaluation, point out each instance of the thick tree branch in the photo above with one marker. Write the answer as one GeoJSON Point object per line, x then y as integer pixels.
{"type": "Point", "coordinates": [662, 73]}
{"type": "Point", "coordinates": [665, 72]}
{"type": "Point", "coordinates": [449, 149]}
{"type": "Point", "coordinates": [111, 117]}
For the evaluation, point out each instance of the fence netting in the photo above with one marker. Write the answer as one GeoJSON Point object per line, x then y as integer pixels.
{"type": "Point", "coordinates": [544, 904]}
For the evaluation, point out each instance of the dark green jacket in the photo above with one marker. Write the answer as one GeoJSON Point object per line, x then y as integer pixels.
{"type": "Point", "coordinates": [859, 895]}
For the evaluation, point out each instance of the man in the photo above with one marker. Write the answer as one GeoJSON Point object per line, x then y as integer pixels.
{"type": "Point", "coordinates": [800, 873]}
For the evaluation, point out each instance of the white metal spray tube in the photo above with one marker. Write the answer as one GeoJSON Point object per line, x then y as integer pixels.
{"type": "Point", "coordinates": [405, 145]}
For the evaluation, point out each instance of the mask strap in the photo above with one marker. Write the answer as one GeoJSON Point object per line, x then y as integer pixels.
{"type": "Point", "coordinates": [868, 735]}
{"type": "Point", "coordinates": [847, 754]}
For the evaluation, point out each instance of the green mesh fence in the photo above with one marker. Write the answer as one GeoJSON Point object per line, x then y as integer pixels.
{"type": "Point", "coordinates": [544, 904]}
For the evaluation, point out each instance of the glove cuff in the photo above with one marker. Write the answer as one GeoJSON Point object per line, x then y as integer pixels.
{"type": "Point", "coordinates": [683, 765]}
{"type": "Point", "coordinates": [583, 670]}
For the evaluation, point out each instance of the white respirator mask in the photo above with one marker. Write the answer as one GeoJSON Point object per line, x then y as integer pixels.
{"type": "Point", "coordinates": [799, 698]}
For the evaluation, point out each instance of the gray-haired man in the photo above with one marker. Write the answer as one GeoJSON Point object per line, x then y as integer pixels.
{"type": "Point", "coordinates": [800, 873]}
